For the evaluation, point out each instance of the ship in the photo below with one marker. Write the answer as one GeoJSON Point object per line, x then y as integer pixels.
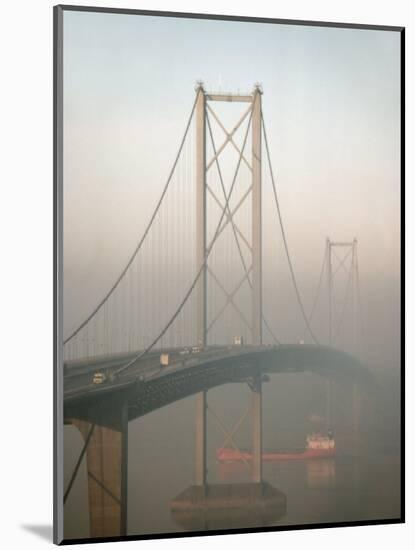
{"type": "Point", "coordinates": [317, 446]}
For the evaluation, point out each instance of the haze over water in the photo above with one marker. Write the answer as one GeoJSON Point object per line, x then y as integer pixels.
{"type": "Point", "coordinates": [161, 458]}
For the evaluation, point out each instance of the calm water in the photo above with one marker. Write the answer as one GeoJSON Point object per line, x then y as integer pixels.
{"type": "Point", "coordinates": [161, 457]}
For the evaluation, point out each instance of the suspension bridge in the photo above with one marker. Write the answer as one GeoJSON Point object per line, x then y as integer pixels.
{"type": "Point", "coordinates": [187, 314]}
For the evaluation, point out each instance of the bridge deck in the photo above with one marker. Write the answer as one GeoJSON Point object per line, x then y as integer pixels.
{"type": "Point", "coordinates": [150, 385]}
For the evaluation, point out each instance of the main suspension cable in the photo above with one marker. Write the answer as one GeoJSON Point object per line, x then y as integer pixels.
{"type": "Point", "coordinates": [238, 244]}
{"type": "Point", "coordinates": [78, 463]}
{"type": "Point", "coordinates": [345, 302]}
{"type": "Point", "coordinates": [294, 281]}
{"type": "Point", "coordinates": [320, 281]}
{"type": "Point", "coordinates": [138, 247]}
{"type": "Point", "coordinates": [135, 359]}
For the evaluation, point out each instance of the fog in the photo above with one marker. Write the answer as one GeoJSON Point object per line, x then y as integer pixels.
{"type": "Point", "coordinates": [331, 109]}
{"type": "Point", "coordinates": [331, 106]}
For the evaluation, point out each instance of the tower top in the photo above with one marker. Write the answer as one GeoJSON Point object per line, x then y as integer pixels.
{"type": "Point", "coordinates": [258, 88]}
{"type": "Point", "coordinates": [229, 96]}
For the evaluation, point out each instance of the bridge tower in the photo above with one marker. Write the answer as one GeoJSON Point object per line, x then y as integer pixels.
{"type": "Point", "coordinates": [202, 167]}
{"type": "Point", "coordinates": [334, 264]}
{"type": "Point", "coordinates": [350, 248]}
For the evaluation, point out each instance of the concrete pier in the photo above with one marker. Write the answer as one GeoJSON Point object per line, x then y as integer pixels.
{"type": "Point", "coordinates": [106, 454]}
{"type": "Point", "coordinates": [200, 439]}
{"type": "Point", "coordinates": [256, 410]}
{"type": "Point", "coordinates": [227, 506]}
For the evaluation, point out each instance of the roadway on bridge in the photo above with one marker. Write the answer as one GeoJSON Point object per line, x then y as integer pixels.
{"type": "Point", "coordinates": [79, 375]}
{"type": "Point", "coordinates": [215, 365]}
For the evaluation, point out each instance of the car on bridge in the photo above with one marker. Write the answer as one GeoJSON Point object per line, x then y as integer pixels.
{"type": "Point", "coordinates": [99, 378]}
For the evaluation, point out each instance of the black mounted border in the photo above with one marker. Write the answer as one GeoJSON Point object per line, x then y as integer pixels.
{"type": "Point", "coordinates": [58, 11]}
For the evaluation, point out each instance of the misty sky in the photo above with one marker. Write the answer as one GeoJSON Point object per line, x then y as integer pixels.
{"type": "Point", "coordinates": [332, 108]}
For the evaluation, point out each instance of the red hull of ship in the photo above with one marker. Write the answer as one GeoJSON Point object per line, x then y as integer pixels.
{"type": "Point", "coordinates": [232, 455]}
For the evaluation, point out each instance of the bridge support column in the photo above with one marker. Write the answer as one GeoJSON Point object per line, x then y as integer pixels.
{"type": "Point", "coordinates": [107, 456]}
{"type": "Point", "coordinates": [256, 220]}
{"type": "Point", "coordinates": [200, 455]}
{"type": "Point", "coordinates": [257, 430]}
{"type": "Point", "coordinates": [329, 404]}
{"type": "Point", "coordinates": [201, 310]}
{"type": "Point", "coordinates": [355, 416]}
